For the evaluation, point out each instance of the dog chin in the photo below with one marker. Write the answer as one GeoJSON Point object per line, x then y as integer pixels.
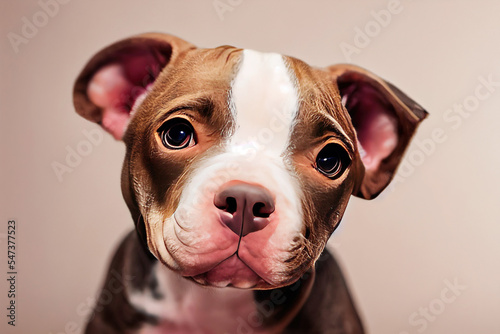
{"type": "Point", "coordinates": [231, 272]}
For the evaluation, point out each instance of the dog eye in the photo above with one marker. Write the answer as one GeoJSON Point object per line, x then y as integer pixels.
{"type": "Point", "coordinates": [332, 160]}
{"type": "Point", "coordinates": [177, 134]}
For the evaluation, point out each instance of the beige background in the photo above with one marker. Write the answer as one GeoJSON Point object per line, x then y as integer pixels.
{"type": "Point", "coordinates": [441, 224]}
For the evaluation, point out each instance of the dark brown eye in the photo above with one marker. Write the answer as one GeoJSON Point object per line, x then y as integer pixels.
{"type": "Point", "coordinates": [332, 160]}
{"type": "Point", "coordinates": [177, 134]}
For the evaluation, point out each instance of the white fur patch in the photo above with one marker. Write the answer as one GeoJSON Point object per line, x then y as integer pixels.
{"type": "Point", "coordinates": [265, 102]}
{"type": "Point", "coordinates": [189, 308]}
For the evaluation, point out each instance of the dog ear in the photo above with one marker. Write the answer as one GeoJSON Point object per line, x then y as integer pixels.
{"type": "Point", "coordinates": [116, 80]}
{"type": "Point", "coordinates": [384, 118]}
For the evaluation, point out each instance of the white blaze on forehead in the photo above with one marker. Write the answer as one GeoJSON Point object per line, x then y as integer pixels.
{"type": "Point", "coordinates": [264, 102]}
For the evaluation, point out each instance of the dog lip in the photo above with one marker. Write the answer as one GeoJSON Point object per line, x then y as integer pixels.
{"type": "Point", "coordinates": [200, 277]}
{"type": "Point", "coordinates": [231, 272]}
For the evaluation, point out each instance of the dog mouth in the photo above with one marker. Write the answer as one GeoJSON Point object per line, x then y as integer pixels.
{"type": "Point", "coordinates": [232, 272]}
{"type": "Point", "coordinates": [227, 271]}
{"type": "Point", "coordinates": [222, 259]}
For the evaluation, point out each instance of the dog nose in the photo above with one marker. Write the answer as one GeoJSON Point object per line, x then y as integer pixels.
{"type": "Point", "coordinates": [249, 206]}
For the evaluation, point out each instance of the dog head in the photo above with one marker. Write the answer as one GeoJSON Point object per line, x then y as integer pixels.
{"type": "Point", "coordinates": [239, 164]}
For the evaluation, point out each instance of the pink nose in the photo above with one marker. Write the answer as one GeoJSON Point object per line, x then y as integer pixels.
{"type": "Point", "coordinates": [249, 206]}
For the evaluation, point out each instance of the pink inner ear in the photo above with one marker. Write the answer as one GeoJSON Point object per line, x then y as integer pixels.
{"type": "Point", "coordinates": [118, 88]}
{"type": "Point", "coordinates": [374, 121]}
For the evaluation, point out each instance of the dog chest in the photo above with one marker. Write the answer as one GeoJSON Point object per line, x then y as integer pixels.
{"type": "Point", "coordinates": [184, 307]}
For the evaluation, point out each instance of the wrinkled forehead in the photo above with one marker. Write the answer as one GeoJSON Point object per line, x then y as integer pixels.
{"type": "Point", "coordinates": [262, 98]}
{"type": "Point", "coordinates": [280, 101]}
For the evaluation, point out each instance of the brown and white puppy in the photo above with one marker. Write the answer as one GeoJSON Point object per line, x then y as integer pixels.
{"type": "Point", "coordinates": [239, 166]}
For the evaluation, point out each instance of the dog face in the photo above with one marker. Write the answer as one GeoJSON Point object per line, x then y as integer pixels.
{"type": "Point", "coordinates": [240, 164]}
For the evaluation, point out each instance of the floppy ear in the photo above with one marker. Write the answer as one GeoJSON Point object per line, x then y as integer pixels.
{"type": "Point", "coordinates": [116, 80]}
{"type": "Point", "coordinates": [384, 118]}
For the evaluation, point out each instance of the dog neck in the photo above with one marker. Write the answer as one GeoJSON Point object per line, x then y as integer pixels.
{"type": "Point", "coordinates": [183, 306]}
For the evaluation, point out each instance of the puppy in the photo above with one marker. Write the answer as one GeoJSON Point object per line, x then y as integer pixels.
{"type": "Point", "coordinates": [238, 168]}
